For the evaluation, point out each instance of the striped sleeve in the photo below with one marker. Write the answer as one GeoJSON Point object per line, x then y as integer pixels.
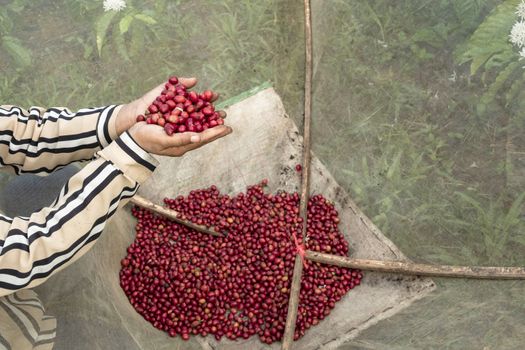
{"type": "Point", "coordinates": [24, 324]}
{"type": "Point", "coordinates": [40, 141]}
{"type": "Point", "coordinates": [32, 249]}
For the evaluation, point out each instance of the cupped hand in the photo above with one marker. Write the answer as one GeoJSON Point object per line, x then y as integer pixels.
{"type": "Point", "coordinates": [127, 116]}
{"type": "Point", "coordinates": [154, 139]}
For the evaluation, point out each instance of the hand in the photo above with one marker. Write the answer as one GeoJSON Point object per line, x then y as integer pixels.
{"type": "Point", "coordinates": [154, 139]}
{"type": "Point", "coordinates": [127, 116]}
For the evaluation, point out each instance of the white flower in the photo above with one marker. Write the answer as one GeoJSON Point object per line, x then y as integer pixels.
{"type": "Point", "coordinates": [114, 5]}
{"type": "Point", "coordinates": [517, 34]}
{"type": "Point", "coordinates": [520, 11]}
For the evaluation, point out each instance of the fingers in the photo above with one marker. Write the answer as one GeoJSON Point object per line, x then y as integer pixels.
{"type": "Point", "coordinates": [180, 140]}
{"type": "Point", "coordinates": [190, 138]}
{"type": "Point", "coordinates": [207, 136]}
{"type": "Point", "coordinates": [188, 82]}
{"type": "Point", "coordinates": [215, 137]}
{"type": "Point", "coordinates": [214, 133]}
{"type": "Point", "coordinates": [215, 96]}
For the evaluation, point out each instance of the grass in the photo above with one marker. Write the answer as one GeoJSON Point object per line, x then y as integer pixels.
{"type": "Point", "coordinates": [433, 171]}
{"type": "Point", "coordinates": [413, 151]}
{"type": "Point", "coordinates": [441, 176]}
{"type": "Point", "coordinates": [229, 45]}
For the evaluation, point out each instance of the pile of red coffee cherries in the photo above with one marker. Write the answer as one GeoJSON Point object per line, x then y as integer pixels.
{"type": "Point", "coordinates": [186, 282]}
{"type": "Point", "coordinates": [178, 110]}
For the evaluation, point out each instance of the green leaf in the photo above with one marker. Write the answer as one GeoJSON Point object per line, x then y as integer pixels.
{"type": "Point", "coordinates": [101, 27]}
{"type": "Point", "coordinates": [514, 213]}
{"type": "Point", "coordinates": [19, 53]}
{"type": "Point", "coordinates": [470, 201]}
{"type": "Point", "coordinates": [125, 23]}
{"type": "Point", "coordinates": [145, 18]}
{"type": "Point", "coordinates": [468, 11]}
{"type": "Point", "coordinates": [499, 82]}
{"type": "Point", "coordinates": [516, 87]}
{"type": "Point", "coordinates": [435, 36]}
{"type": "Point", "coordinates": [490, 40]}
{"type": "Point", "coordinates": [395, 166]}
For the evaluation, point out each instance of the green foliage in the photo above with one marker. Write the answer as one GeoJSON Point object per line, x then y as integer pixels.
{"type": "Point", "coordinates": [394, 115]}
{"type": "Point", "coordinates": [383, 93]}
{"type": "Point", "coordinates": [116, 29]}
{"type": "Point", "coordinates": [490, 54]}
{"type": "Point", "coordinates": [10, 44]}
{"type": "Point", "coordinates": [491, 226]}
{"type": "Point", "coordinates": [489, 47]}
{"type": "Point", "coordinates": [18, 52]}
{"type": "Point", "coordinates": [120, 23]}
{"type": "Point", "coordinates": [101, 28]}
{"type": "Point", "coordinates": [468, 12]}
{"type": "Point", "coordinates": [397, 105]}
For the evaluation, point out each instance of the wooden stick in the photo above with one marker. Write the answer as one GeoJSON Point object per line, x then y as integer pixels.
{"type": "Point", "coordinates": [172, 215]}
{"type": "Point", "coordinates": [408, 268]}
{"type": "Point", "coordinates": [400, 267]}
{"type": "Point", "coordinates": [293, 302]}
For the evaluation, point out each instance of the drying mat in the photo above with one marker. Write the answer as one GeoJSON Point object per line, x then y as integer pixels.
{"type": "Point", "coordinates": [94, 313]}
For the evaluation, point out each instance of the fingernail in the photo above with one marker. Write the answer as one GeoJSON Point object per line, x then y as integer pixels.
{"type": "Point", "coordinates": [195, 138]}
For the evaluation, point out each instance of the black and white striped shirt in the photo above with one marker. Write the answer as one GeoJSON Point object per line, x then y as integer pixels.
{"type": "Point", "coordinates": [40, 141]}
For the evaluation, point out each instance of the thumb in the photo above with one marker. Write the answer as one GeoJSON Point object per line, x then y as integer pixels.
{"type": "Point", "coordinates": [151, 95]}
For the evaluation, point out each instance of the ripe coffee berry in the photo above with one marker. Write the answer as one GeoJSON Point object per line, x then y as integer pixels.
{"type": "Point", "coordinates": [186, 283]}
{"type": "Point", "coordinates": [178, 110]}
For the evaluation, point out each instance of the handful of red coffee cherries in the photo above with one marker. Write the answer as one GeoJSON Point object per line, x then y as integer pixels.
{"type": "Point", "coordinates": [178, 110]}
